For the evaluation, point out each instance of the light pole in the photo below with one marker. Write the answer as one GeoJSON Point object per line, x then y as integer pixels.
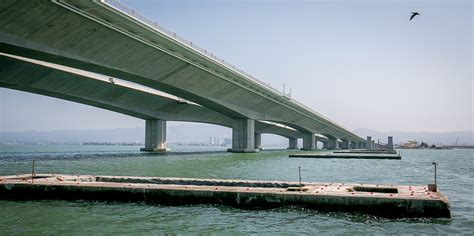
{"type": "Point", "coordinates": [433, 187]}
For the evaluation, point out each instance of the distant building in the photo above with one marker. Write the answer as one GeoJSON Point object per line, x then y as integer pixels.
{"type": "Point", "coordinates": [213, 141]}
{"type": "Point", "coordinates": [410, 144]}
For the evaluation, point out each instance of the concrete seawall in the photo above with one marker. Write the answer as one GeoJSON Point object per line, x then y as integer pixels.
{"type": "Point", "coordinates": [383, 200]}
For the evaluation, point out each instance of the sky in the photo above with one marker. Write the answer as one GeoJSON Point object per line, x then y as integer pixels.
{"type": "Point", "coordinates": [363, 64]}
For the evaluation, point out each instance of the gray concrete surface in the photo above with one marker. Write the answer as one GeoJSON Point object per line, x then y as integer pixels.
{"type": "Point", "coordinates": [383, 200]}
{"type": "Point", "coordinates": [77, 86]}
{"type": "Point", "coordinates": [94, 36]}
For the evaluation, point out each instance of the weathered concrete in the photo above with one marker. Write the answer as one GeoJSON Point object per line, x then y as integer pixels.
{"type": "Point", "coordinates": [383, 200]}
{"type": "Point", "coordinates": [378, 151]}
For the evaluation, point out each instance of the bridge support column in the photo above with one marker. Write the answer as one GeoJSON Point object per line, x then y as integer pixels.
{"type": "Point", "coordinates": [258, 141]}
{"type": "Point", "coordinates": [353, 145]}
{"type": "Point", "coordinates": [345, 144]}
{"type": "Point", "coordinates": [155, 136]}
{"type": "Point", "coordinates": [390, 143]}
{"type": "Point", "coordinates": [369, 143]}
{"type": "Point", "coordinates": [292, 143]}
{"type": "Point", "coordinates": [325, 144]}
{"type": "Point", "coordinates": [309, 142]}
{"type": "Point", "coordinates": [333, 144]}
{"type": "Point", "coordinates": [243, 136]}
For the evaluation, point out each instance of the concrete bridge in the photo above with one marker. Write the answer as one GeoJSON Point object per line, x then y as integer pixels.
{"type": "Point", "coordinates": [107, 38]}
{"type": "Point", "coordinates": [95, 90]}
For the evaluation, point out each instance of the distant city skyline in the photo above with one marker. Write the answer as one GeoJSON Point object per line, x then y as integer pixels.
{"type": "Point", "coordinates": [363, 64]}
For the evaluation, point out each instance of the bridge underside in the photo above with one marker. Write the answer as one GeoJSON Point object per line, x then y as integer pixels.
{"type": "Point", "coordinates": [93, 36]}
{"type": "Point", "coordinates": [96, 37]}
{"type": "Point", "coordinates": [77, 86]}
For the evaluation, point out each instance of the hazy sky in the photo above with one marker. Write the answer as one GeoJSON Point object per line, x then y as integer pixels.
{"type": "Point", "coordinates": [360, 63]}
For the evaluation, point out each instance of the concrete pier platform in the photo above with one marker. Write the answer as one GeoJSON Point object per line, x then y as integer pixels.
{"type": "Point", "coordinates": [348, 155]}
{"type": "Point", "coordinates": [369, 151]}
{"type": "Point", "coordinates": [383, 200]}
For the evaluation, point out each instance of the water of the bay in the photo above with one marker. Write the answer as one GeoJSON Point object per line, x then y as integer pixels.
{"type": "Point", "coordinates": [455, 177]}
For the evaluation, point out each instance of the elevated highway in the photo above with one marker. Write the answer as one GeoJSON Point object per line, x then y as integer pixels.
{"type": "Point", "coordinates": [90, 89]}
{"type": "Point", "coordinates": [107, 38]}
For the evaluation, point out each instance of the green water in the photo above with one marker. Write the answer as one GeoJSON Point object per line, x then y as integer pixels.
{"type": "Point", "coordinates": [455, 176]}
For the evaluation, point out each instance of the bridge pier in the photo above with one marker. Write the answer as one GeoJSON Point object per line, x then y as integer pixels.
{"type": "Point", "coordinates": [345, 144]}
{"type": "Point", "coordinates": [369, 143]}
{"type": "Point", "coordinates": [243, 136]}
{"type": "Point", "coordinates": [309, 142]}
{"type": "Point", "coordinates": [333, 143]}
{"type": "Point", "coordinates": [353, 145]}
{"type": "Point", "coordinates": [292, 143]}
{"type": "Point", "coordinates": [325, 144]}
{"type": "Point", "coordinates": [258, 141]}
{"type": "Point", "coordinates": [390, 143]}
{"type": "Point", "coordinates": [155, 136]}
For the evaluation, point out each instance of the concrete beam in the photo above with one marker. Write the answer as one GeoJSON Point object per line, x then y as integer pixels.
{"type": "Point", "coordinates": [155, 136]}
{"type": "Point", "coordinates": [243, 136]}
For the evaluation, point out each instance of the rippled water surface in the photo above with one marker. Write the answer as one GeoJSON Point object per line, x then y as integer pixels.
{"type": "Point", "coordinates": [455, 177]}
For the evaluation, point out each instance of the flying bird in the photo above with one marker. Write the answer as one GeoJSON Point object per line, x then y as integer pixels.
{"type": "Point", "coordinates": [413, 14]}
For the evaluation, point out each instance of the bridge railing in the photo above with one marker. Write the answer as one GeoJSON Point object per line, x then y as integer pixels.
{"type": "Point", "coordinates": [129, 11]}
